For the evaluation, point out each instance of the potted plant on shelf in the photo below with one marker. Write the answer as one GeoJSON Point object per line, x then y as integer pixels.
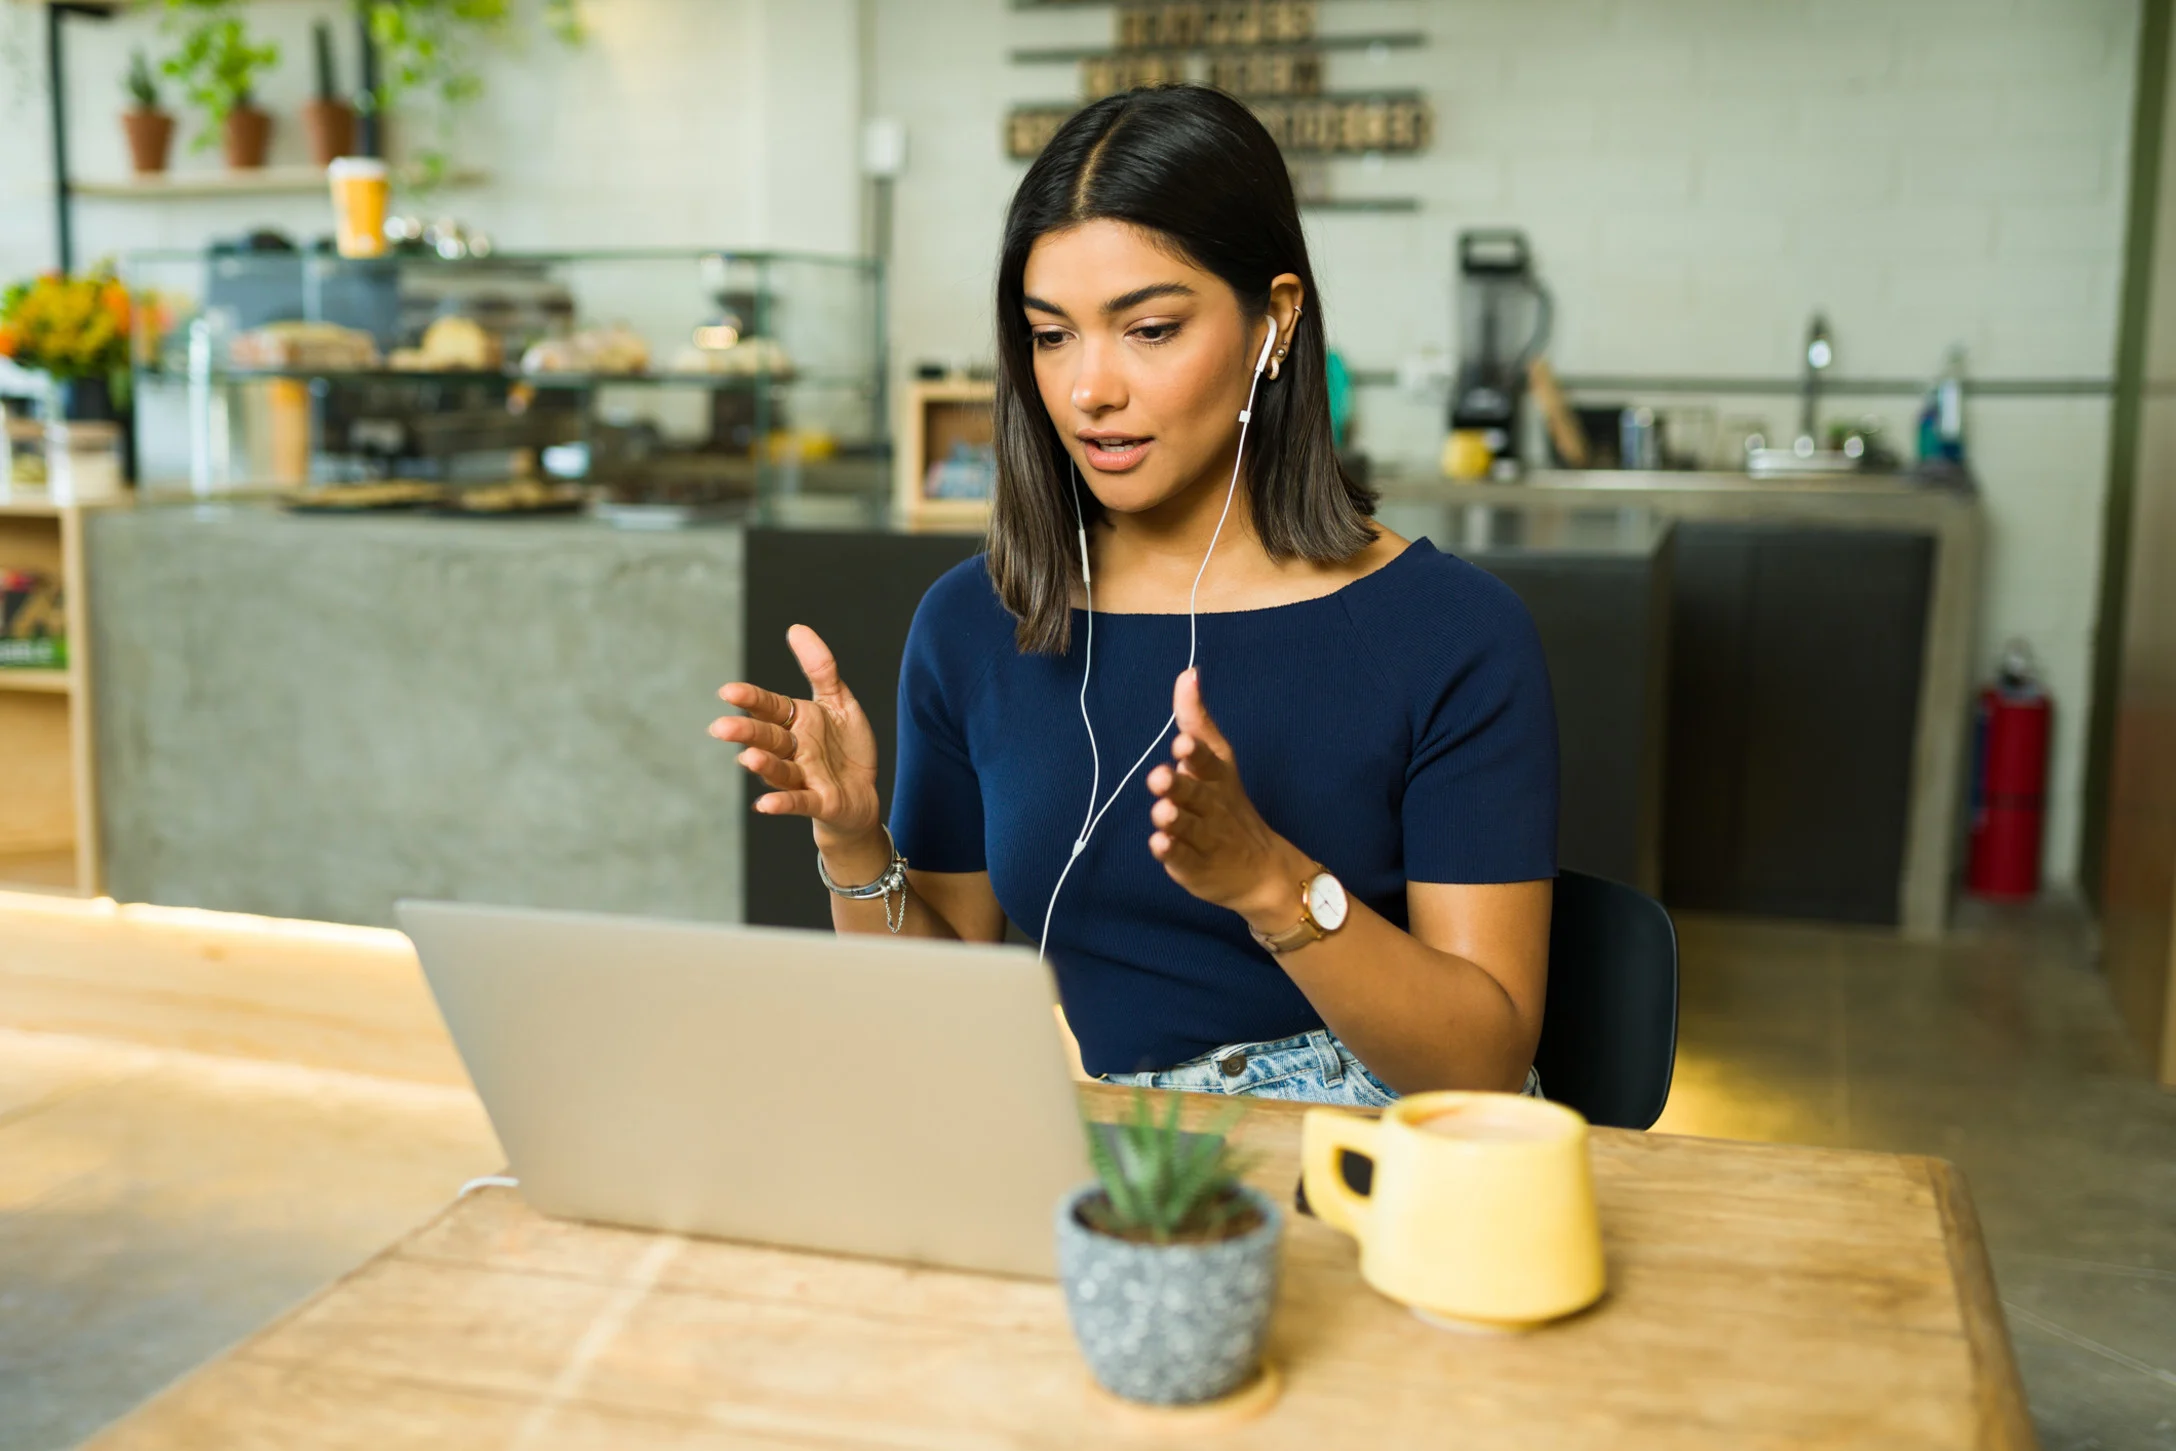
{"type": "Point", "coordinates": [1169, 1262]}
{"type": "Point", "coordinates": [150, 128]}
{"type": "Point", "coordinates": [218, 65]}
{"type": "Point", "coordinates": [329, 120]}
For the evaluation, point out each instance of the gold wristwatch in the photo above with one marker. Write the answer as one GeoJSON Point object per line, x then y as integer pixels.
{"type": "Point", "coordinates": [1323, 909]}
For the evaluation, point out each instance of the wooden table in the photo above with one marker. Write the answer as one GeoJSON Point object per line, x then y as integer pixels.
{"type": "Point", "coordinates": [1759, 1296]}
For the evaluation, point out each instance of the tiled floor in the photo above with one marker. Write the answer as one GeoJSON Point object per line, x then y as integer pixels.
{"type": "Point", "coordinates": [1999, 1051]}
{"type": "Point", "coordinates": [169, 1180]}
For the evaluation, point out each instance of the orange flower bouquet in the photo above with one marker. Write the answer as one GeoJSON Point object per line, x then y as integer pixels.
{"type": "Point", "coordinates": [68, 327]}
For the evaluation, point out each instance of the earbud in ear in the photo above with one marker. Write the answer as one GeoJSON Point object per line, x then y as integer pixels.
{"type": "Point", "coordinates": [1262, 362]}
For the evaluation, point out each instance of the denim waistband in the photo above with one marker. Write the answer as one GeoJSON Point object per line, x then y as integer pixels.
{"type": "Point", "coordinates": [1314, 1067]}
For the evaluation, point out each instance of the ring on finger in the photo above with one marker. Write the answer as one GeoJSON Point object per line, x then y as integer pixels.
{"type": "Point", "coordinates": [793, 709]}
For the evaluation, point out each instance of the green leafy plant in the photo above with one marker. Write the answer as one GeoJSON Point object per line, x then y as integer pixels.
{"type": "Point", "coordinates": [1163, 1186]}
{"type": "Point", "coordinates": [427, 48]}
{"type": "Point", "coordinates": [143, 91]}
{"type": "Point", "coordinates": [215, 60]}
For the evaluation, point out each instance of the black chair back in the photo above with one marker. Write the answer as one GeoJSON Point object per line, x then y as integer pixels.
{"type": "Point", "coordinates": [1609, 1033]}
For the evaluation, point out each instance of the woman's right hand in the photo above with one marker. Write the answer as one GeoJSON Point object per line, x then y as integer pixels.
{"type": "Point", "coordinates": [818, 756]}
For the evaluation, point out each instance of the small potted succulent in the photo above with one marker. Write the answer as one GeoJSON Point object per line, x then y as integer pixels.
{"type": "Point", "coordinates": [218, 65]}
{"type": "Point", "coordinates": [150, 128]}
{"type": "Point", "coordinates": [329, 120]}
{"type": "Point", "coordinates": [1169, 1262]}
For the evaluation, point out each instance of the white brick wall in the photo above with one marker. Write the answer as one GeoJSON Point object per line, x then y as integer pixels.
{"type": "Point", "coordinates": [1697, 176]}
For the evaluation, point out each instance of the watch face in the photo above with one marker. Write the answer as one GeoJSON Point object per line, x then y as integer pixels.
{"type": "Point", "coordinates": [1326, 901]}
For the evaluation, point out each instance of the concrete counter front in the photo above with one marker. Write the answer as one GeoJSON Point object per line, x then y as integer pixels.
{"type": "Point", "coordinates": [311, 717]}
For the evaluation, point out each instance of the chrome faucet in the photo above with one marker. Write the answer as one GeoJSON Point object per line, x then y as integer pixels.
{"type": "Point", "coordinates": [1819, 354]}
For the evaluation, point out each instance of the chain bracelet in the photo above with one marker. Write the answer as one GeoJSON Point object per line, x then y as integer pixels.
{"type": "Point", "coordinates": [891, 885]}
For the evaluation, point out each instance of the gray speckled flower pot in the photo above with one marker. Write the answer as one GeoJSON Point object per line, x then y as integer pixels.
{"type": "Point", "coordinates": [1169, 1324]}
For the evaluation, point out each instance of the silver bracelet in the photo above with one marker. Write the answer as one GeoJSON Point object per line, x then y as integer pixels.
{"type": "Point", "coordinates": [891, 885]}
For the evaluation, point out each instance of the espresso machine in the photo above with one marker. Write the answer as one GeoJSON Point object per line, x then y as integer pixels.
{"type": "Point", "coordinates": [1503, 321]}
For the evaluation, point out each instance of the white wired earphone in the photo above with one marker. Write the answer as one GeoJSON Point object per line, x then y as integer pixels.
{"type": "Point", "coordinates": [1094, 818]}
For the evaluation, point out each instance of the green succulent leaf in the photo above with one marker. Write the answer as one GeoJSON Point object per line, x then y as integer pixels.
{"type": "Point", "coordinates": [1160, 1183]}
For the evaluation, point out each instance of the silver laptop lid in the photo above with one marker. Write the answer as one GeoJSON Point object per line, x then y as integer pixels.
{"type": "Point", "coordinates": [893, 1097]}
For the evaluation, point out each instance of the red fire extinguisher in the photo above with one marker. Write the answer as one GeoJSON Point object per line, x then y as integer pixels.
{"type": "Point", "coordinates": [2009, 779]}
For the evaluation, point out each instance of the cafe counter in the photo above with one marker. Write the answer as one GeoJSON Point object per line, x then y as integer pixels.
{"type": "Point", "coordinates": [316, 716]}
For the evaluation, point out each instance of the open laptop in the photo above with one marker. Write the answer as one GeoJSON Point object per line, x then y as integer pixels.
{"type": "Point", "coordinates": [893, 1097]}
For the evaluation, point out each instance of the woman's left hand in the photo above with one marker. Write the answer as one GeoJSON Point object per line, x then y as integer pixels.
{"type": "Point", "coordinates": [1208, 835]}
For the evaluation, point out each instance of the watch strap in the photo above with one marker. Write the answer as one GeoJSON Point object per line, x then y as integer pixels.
{"type": "Point", "coordinates": [1300, 933]}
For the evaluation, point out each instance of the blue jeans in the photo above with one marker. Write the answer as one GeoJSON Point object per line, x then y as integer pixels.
{"type": "Point", "coordinates": [1310, 1068]}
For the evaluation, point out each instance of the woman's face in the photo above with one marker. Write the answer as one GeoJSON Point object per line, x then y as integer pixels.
{"type": "Point", "coordinates": [1142, 358]}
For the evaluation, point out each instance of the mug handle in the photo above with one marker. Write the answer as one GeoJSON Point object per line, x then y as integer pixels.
{"type": "Point", "coordinates": [1325, 1136]}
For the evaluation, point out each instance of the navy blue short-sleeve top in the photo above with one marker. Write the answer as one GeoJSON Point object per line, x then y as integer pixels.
{"type": "Point", "coordinates": [1399, 729]}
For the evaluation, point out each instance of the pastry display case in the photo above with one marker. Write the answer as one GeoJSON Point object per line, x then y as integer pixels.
{"type": "Point", "coordinates": [656, 387]}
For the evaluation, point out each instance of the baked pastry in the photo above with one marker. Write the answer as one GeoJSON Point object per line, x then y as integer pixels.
{"type": "Point", "coordinates": [383, 494]}
{"type": "Point", "coordinates": [745, 359]}
{"type": "Point", "coordinates": [612, 349]}
{"type": "Point", "coordinates": [303, 345]}
{"type": "Point", "coordinates": [516, 496]}
{"type": "Point", "coordinates": [452, 345]}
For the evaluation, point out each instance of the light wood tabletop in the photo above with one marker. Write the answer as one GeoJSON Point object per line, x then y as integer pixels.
{"type": "Point", "coordinates": [1760, 1296]}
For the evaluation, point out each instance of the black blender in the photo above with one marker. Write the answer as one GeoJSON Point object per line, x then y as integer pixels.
{"type": "Point", "coordinates": [1499, 301]}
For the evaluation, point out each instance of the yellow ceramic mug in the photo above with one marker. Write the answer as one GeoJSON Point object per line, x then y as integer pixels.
{"type": "Point", "coordinates": [1481, 1208]}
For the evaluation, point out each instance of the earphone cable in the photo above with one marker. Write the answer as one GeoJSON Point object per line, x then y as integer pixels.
{"type": "Point", "coordinates": [1087, 668]}
{"type": "Point", "coordinates": [1193, 634]}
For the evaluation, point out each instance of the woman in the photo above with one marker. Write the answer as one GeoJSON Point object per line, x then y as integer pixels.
{"type": "Point", "coordinates": [1336, 886]}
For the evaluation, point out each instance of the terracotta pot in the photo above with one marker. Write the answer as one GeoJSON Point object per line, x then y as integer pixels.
{"type": "Point", "coordinates": [150, 139]}
{"type": "Point", "coordinates": [331, 125]}
{"type": "Point", "coordinates": [249, 137]}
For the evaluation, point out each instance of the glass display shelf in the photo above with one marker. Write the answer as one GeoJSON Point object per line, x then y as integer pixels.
{"type": "Point", "coordinates": [687, 376]}
{"type": "Point", "coordinates": [157, 376]}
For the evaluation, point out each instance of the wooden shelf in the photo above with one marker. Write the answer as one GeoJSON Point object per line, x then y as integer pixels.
{"type": "Point", "coordinates": [40, 871]}
{"type": "Point", "coordinates": [38, 506]}
{"type": "Point", "coordinates": [949, 516]}
{"type": "Point", "coordinates": [718, 382]}
{"type": "Point", "coordinates": [263, 181]}
{"type": "Point", "coordinates": [48, 794]}
{"type": "Point", "coordinates": [1360, 204]}
{"type": "Point", "coordinates": [1065, 54]}
{"type": "Point", "coordinates": [934, 415]}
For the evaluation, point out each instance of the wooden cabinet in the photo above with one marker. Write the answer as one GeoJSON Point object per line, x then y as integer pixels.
{"type": "Point", "coordinates": [48, 798]}
{"type": "Point", "coordinates": [939, 420]}
{"type": "Point", "coordinates": [1795, 662]}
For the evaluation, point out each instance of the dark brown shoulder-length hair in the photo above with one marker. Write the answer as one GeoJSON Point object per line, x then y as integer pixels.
{"type": "Point", "coordinates": [1194, 166]}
